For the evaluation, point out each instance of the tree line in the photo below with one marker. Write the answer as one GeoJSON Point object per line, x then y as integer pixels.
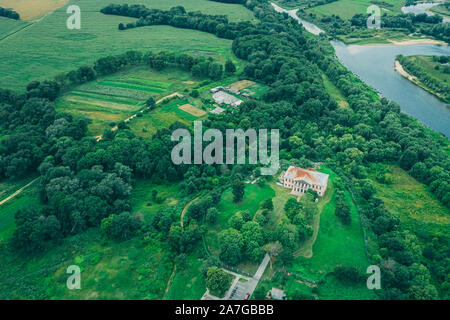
{"type": "Point", "coordinates": [9, 13]}
{"type": "Point", "coordinates": [176, 17]}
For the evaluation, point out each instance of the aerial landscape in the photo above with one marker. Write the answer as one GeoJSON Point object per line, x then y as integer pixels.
{"type": "Point", "coordinates": [224, 150]}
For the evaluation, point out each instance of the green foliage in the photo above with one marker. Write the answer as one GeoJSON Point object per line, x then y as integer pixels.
{"type": "Point", "coordinates": [217, 281]}
{"type": "Point", "coordinates": [231, 245]}
{"type": "Point", "coordinates": [120, 227]}
{"type": "Point", "coordinates": [238, 190]}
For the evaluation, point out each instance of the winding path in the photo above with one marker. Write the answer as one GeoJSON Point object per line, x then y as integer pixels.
{"type": "Point", "coordinates": [185, 210]}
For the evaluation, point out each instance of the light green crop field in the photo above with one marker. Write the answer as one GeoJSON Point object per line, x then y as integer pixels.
{"type": "Point", "coordinates": [47, 47]}
{"type": "Point", "coordinates": [8, 26]}
{"type": "Point", "coordinates": [348, 8]}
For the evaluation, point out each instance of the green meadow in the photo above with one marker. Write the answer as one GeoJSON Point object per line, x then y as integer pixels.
{"type": "Point", "coordinates": [413, 203]}
{"type": "Point", "coordinates": [348, 8]}
{"type": "Point", "coordinates": [62, 50]}
{"type": "Point", "coordinates": [336, 244]}
{"type": "Point", "coordinates": [143, 203]}
{"type": "Point", "coordinates": [8, 26]}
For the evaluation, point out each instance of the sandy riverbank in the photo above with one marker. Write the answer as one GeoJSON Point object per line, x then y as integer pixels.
{"type": "Point", "coordinates": [399, 68]}
{"type": "Point", "coordinates": [410, 42]}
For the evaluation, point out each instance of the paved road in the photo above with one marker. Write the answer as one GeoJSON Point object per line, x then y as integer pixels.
{"type": "Point", "coordinates": [262, 267]}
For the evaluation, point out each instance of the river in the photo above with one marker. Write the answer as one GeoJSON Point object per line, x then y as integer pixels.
{"type": "Point", "coordinates": [374, 64]}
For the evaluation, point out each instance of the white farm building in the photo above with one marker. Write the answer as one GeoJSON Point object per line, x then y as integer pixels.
{"type": "Point", "coordinates": [225, 98]}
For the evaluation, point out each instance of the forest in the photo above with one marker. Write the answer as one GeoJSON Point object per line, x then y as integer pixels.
{"type": "Point", "coordinates": [87, 183]}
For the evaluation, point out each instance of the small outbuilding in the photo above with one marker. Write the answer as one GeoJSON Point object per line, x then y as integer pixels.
{"type": "Point", "coordinates": [277, 294]}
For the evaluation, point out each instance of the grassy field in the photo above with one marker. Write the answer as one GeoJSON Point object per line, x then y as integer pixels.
{"type": "Point", "coordinates": [413, 203]}
{"type": "Point", "coordinates": [336, 244]}
{"type": "Point", "coordinates": [348, 8]}
{"type": "Point", "coordinates": [334, 92]}
{"type": "Point", "coordinates": [66, 49]}
{"type": "Point", "coordinates": [8, 26]}
{"type": "Point", "coordinates": [142, 201]}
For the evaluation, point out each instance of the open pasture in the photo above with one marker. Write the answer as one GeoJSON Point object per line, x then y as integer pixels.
{"type": "Point", "coordinates": [346, 9]}
{"type": "Point", "coordinates": [62, 50]}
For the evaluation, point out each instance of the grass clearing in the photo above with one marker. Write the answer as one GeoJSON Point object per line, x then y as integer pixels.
{"type": "Point", "coordinates": [142, 201]}
{"type": "Point", "coordinates": [85, 99]}
{"type": "Point", "coordinates": [412, 202]}
{"type": "Point", "coordinates": [188, 282]}
{"type": "Point", "coordinates": [336, 244]}
{"type": "Point", "coordinates": [9, 26]}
